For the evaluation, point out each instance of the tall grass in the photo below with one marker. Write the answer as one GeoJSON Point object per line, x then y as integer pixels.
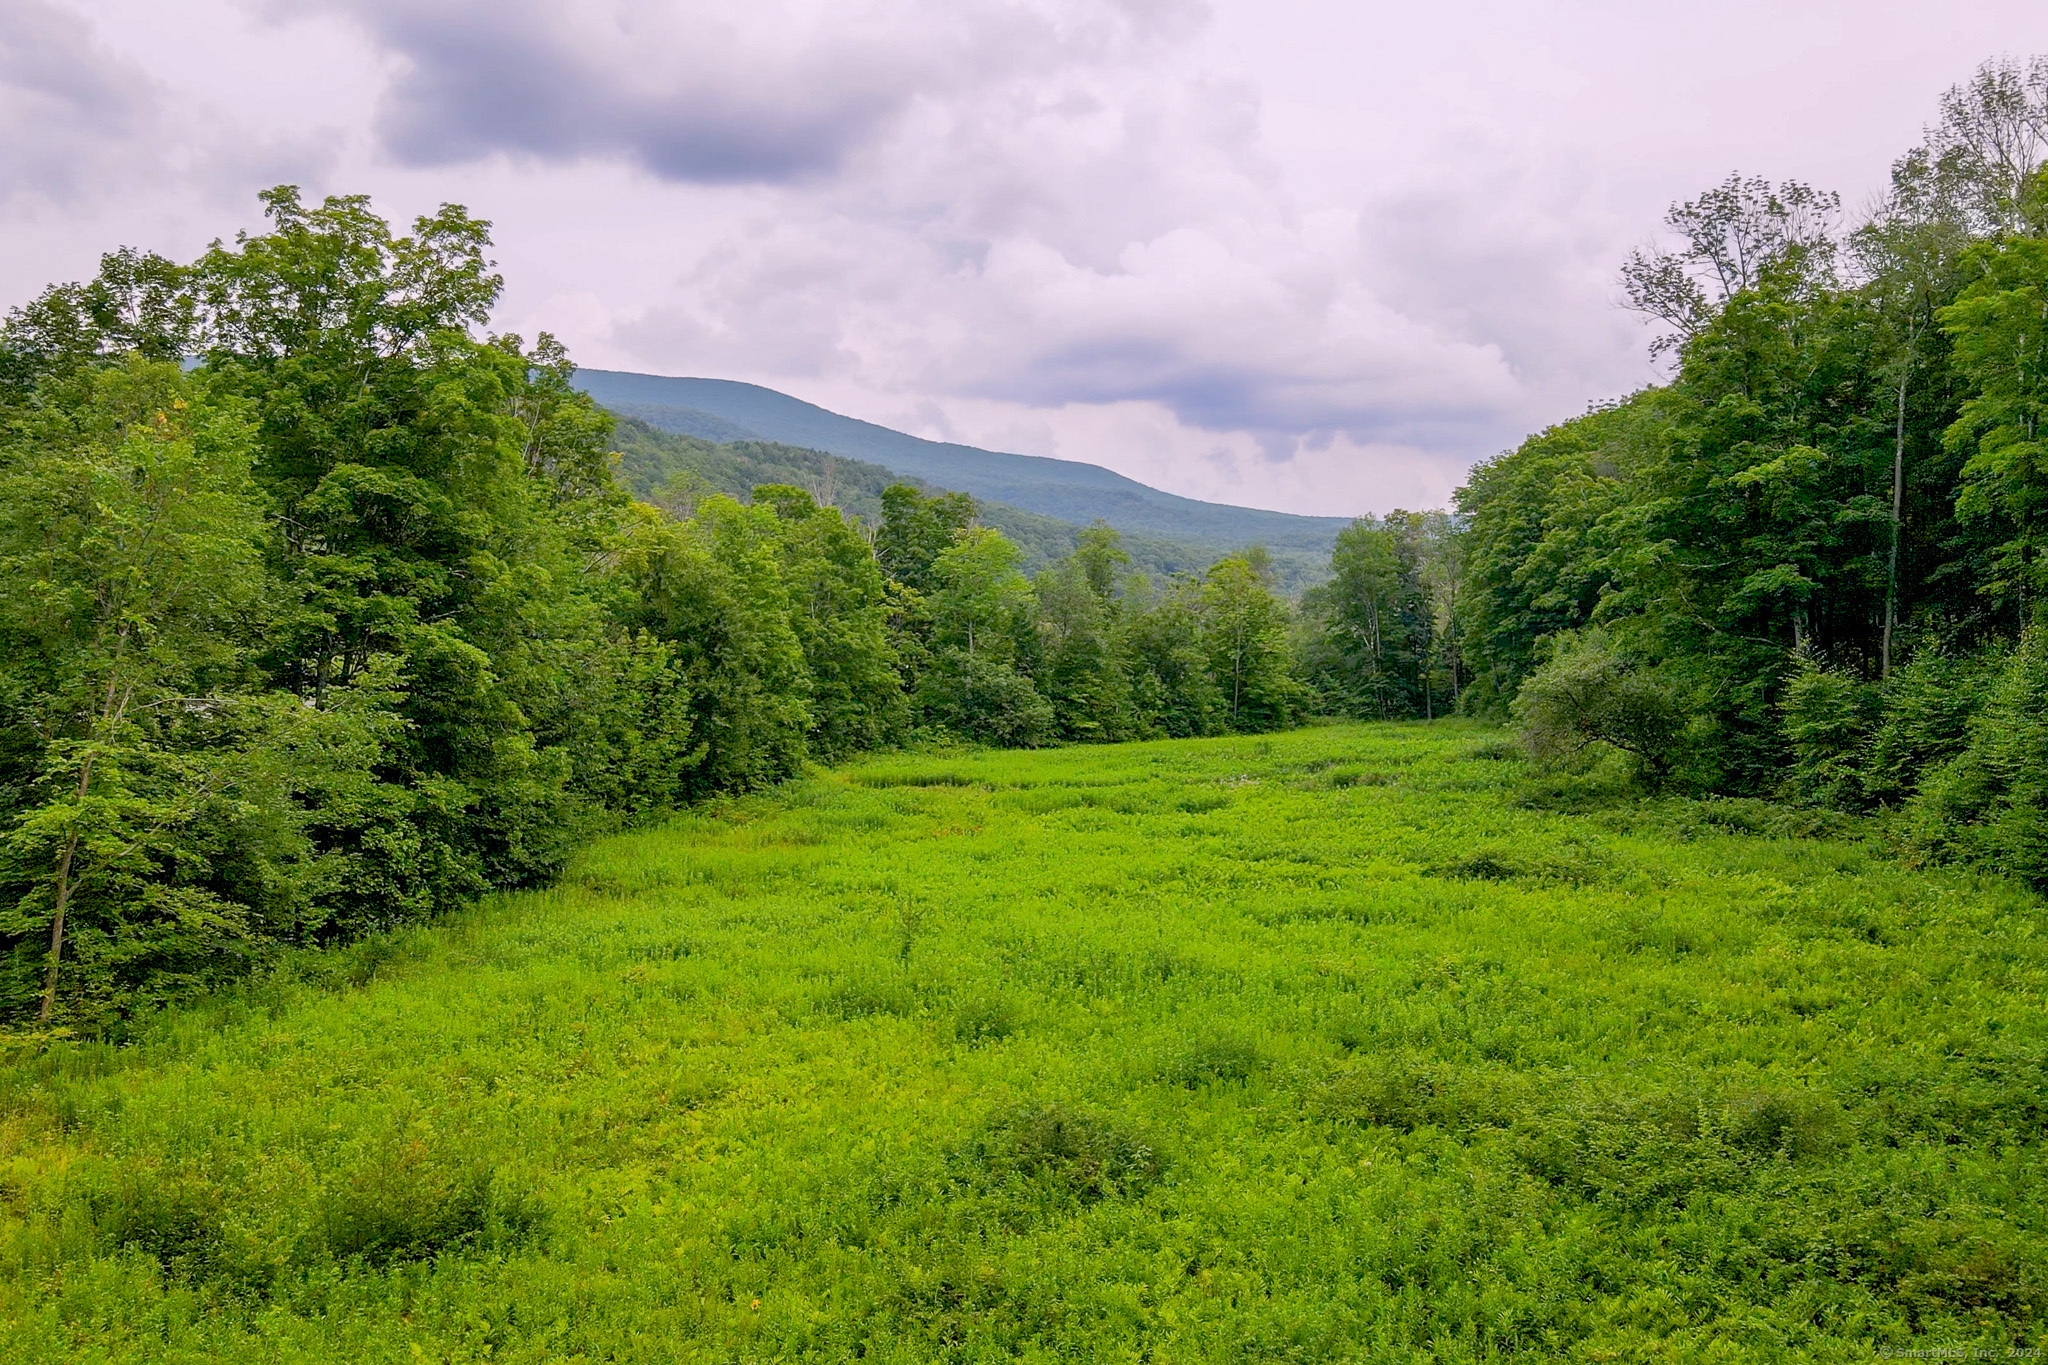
{"type": "Point", "coordinates": [1339, 1045]}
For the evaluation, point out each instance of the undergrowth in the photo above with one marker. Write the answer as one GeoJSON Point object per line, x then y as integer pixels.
{"type": "Point", "coordinates": [1354, 1043]}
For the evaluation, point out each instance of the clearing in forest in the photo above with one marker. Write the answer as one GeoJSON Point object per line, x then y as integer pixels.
{"type": "Point", "coordinates": [1344, 1044]}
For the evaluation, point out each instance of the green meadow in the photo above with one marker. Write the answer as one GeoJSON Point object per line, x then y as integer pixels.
{"type": "Point", "coordinates": [1354, 1043]}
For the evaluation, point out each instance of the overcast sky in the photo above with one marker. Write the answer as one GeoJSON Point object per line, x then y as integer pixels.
{"type": "Point", "coordinates": [1300, 254]}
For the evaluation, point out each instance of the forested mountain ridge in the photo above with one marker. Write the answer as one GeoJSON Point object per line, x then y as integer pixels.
{"type": "Point", "coordinates": [1074, 492]}
{"type": "Point", "coordinates": [673, 469]}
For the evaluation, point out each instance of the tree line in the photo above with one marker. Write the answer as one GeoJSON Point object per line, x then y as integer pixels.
{"type": "Point", "coordinates": [322, 610]}
{"type": "Point", "coordinates": [1811, 564]}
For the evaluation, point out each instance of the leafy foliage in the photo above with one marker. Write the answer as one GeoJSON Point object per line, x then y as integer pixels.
{"type": "Point", "coordinates": [353, 623]}
{"type": "Point", "coordinates": [1822, 539]}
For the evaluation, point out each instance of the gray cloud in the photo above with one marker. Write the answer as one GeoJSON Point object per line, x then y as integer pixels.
{"type": "Point", "coordinates": [1315, 254]}
{"type": "Point", "coordinates": [705, 92]}
{"type": "Point", "coordinates": [70, 111]}
{"type": "Point", "coordinates": [1281, 407]}
{"type": "Point", "coordinates": [504, 85]}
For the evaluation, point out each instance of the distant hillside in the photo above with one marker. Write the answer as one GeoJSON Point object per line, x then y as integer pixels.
{"type": "Point", "coordinates": [721, 410]}
{"type": "Point", "coordinates": [673, 469]}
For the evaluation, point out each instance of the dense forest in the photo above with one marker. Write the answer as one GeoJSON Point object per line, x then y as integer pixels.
{"type": "Point", "coordinates": [1810, 566]}
{"type": "Point", "coordinates": [328, 610]}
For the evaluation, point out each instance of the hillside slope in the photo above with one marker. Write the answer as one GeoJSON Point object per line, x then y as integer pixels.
{"type": "Point", "coordinates": [672, 468]}
{"type": "Point", "coordinates": [722, 410]}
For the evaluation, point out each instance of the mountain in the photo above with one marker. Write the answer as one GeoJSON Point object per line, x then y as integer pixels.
{"type": "Point", "coordinates": [723, 411]}
{"type": "Point", "coordinates": [673, 469]}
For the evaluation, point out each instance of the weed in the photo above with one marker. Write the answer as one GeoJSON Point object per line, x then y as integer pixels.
{"type": "Point", "coordinates": [1218, 1059]}
{"type": "Point", "coordinates": [986, 1019]}
{"type": "Point", "coordinates": [171, 1216]}
{"type": "Point", "coordinates": [916, 778]}
{"type": "Point", "coordinates": [1085, 1155]}
{"type": "Point", "coordinates": [404, 1201]}
{"type": "Point", "coordinates": [863, 999]}
{"type": "Point", "coordinates": [1498, 750]}
{"type": "Point", "coordinates": [1482, 866]}
{"type": "Point", "coordinates": [1676, 1073]}
{"type": "Point", "coordinates": [1392, 1094]}
{"type": "Point", "coordinates": [1764, 1122]}
{"type": "Point", "coordinates": [909, 919]}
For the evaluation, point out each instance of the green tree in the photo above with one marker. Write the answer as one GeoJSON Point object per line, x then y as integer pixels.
{"type": "Point", "coordinates": [1245, 629]}
{"type": "Point", "coordinates": [1172, 691]}
{"type": "Point", "coordinates": [1081, 666]}
{"type": "Point", "coordinates": [840, 610]}
{"type": "Point", "coordinates": [980, 606]}
{"type": "Point", "coordinates": [1371, 651]}
{"type": "Point", "coordinates": [1999, 328]}
{"type": "Point", "coordinates": [712, 590]}
{"type": "Point", "coordinates": [916, 530]}
{"type": "Point", "coordinates": [133, 557]}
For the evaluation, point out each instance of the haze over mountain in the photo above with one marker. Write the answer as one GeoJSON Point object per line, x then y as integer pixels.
{"type": "Point", "coordinates": [722, 410]}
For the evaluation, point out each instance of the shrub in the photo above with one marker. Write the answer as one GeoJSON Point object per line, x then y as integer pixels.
{"type": "Point", "coordinates": [1990, 802]}
{"type": "Point", "coordinates": [171, 1217]}
{"type": "Point", "coordinates": [989, 702]}
{"type": "Point", "coordinates": [1220, 1058]}
{"type": "Point", "coordinates": [1589, 695]}
{"type": "Point", "coordinates": [1765, 1122]}
{"type": "Point", "coordinates": [985, 1020]}
{"type": "Point", "coordinates": [405, 1202]}
{"type": "Point", "coordinates": [1494, 751]}
{"type": "Point", "coordinates": [1928, 706]}
{"type": "Point", "coordinates": [1828, 715]}
{"type": "Point", "coordinates": [1387, 1094]}
{"type": "Point", "coordinates": [1085, 1155]}
{"type": "Point", "coordinates": [1481, 867]}
{"type": "Point", "coordinates": [862, 999]}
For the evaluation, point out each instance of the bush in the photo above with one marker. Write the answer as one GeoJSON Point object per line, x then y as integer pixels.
{"type": "Point", "coordinates": [1390, 1095]}
{"type": "Point", "coordinates": [1223, 1058]}
{"type": "Point", "coordinates": [1828, 715]}
{"type": "Point", "coordinates": [1989, 803]}
{"type": "Point", "coordinates": [1928, 706]}
{"type": "Point", "coordinates": [989, 702]}
{"type": "Point", "coordinates": [405, 1202]}
{"type": "Point", "coordinates": [173, 1218]}
{"type": "Point", "coordinates": [985, 1020]}
{"type": "Point", "coordinates": [1085, 1155]}
{"type": "Point", "coordinates": [864, 998]}
{"type": "Point", "coordinates": [1768, 1122]}
{"type": "Point", "coordinates": [1590, 695]}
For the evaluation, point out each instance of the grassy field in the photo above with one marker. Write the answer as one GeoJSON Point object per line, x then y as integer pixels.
{"type": "Point", "coordinates": [1341, 1045]}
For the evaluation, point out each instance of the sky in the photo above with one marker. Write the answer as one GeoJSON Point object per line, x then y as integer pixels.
{"type": "Point", "coordinates": [1298, 254]}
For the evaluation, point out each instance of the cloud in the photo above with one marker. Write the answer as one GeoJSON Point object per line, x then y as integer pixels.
{"type": "Point", "coordinates": [1319, 255]}
{"type": "Point", "coordinates": [1101, 237]}
{"type": "Point", "coordinates": [708, 92]}
{"type": "Point", "coordinates": [70, 110]}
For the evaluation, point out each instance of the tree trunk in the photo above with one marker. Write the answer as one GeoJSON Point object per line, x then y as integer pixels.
{"type": "Point", "coordinates": [113, 708]}
{"type": "Point", "coordinates": [63, 897]}
{"type": "Point", "coordinates": [57, 928]}
{"type": "Point", "coordinates": [1891, 591]}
